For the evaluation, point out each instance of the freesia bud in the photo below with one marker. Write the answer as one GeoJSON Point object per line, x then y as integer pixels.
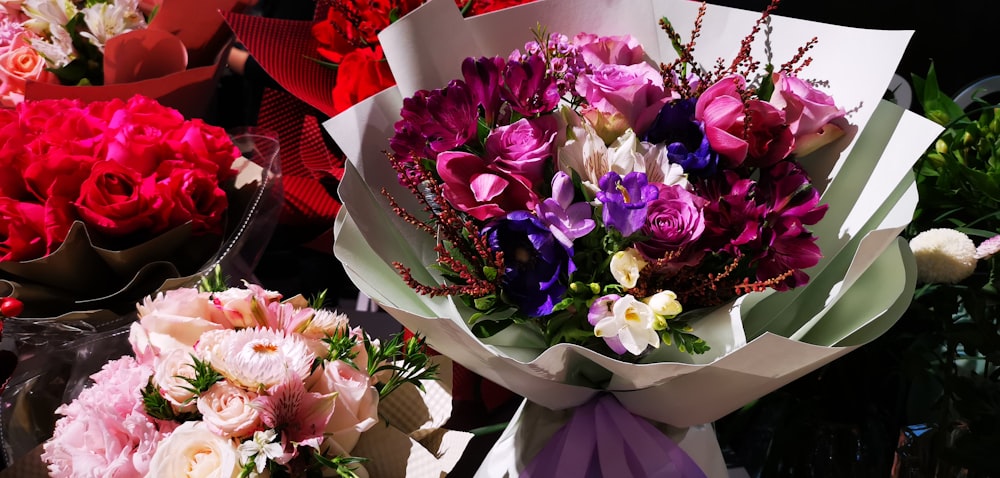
{"type": "Point", "coordinates": [625, 267]}
{"type": "Point", "coordinates": [665, 303]}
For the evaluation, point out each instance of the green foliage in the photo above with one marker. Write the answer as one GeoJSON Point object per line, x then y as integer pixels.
{"type": "Point", "coordinates": [204, 377]}
{"type": "Point", "coordinates": [214, 281]}
{"type": "Point", "coordinates": [405, 361]}
{"type": "Point", "coordinates": [344, 466]}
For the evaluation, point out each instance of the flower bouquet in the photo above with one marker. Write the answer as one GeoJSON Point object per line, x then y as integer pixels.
{"type": "Point", "coordinates": [622, 243]}
{"type": "Point", "coordinates": [103, 203]}
{"type": "Point", "coordinates": [238, 382]}
{"type": "Point", "coordinates": [168, 50]}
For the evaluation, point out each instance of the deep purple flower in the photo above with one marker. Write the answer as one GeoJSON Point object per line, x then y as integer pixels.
{"type": "Point", "coordinates": [528, 88]}
{"type": "Point", "coordinates": [625, 200]}
{"type": "Point", "coordinates": [445, 118]}
{"type": "Point", "coordinates": [676, 126]}
{"type": "Point", "coordinates": [483, 77]}
{"type": "Point", "coordinates": [537, 266]}
{"type": "Point", "coordinates": [793, 204]}
{"type": "Point", "coordinates": [735, 218]}
{"type": "Point", "coordinates": [673, 221]}
{"type": "Point", "coordinates": [567, 220]}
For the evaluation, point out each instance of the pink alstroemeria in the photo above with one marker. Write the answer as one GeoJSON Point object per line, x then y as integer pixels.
{"type": "Point", "coordinates": [303, 415]}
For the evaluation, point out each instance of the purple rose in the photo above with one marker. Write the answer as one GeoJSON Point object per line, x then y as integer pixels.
{"type": "Point", "coordinates": [522, 148]}
{"type": "Point", "coordinates": [625, 201]}
{"type": "Point", "coordinates": [620, 50]}
{"type": "Point", "coordinates": [673, 221]}
{"type": "Point", "coordinates": [635, 91]}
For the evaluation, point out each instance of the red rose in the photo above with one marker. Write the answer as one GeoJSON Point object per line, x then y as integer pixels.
{"type": "Point", "coordinates": [196, 145]}
{"type": "Point", "coordinates": [57, 174]}
{"type": "Point", "coordinates": [136, 133]}
{"type": "Point", "coordinates": [363, 73]}
{"type": "Point", "coordinates": [71, 131]}
{"type": "Point", "coordinates": [196, 197]}
{"type": "Point", "coordinates": [117, 201]}
{"type": "Point", "coordinates": [30, 230]}
{"type": "Point", "coordinates": [36, 115]}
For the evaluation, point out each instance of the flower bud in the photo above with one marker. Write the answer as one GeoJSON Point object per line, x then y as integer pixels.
{"type": "Point", "coordinates": [665, 304]}
{"type": "Point", "coordinates": [625, 267]}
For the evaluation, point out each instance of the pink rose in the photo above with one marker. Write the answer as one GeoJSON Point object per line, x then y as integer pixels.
{"type": "Point", "coordinates": [18, 65]}
{"type": "Point", "coordinates": [472, 186]}
{"type": "Point", "coordinates": [196, 198]}
{"type": "Point", "coordinates": [522, 148]}
{"type": "Point", "coordinates": [598, 50]}
{"type": "Point", "coordinates": [809, 112]}
{"type": "Point", "coordinates": [356, 408]}
{"type": "Point", "coordinates": [723, 112]}
{"type": "Point", "coordinates": [118, 201]}
{"type": "Point", "coordinates": [172, 367]}
{"type": "Point", "coordinates": [674, 220]}
{"type": "Point", "coordinates": [635, 91]}
{"type": "Point", "coordinates": [226, 410]}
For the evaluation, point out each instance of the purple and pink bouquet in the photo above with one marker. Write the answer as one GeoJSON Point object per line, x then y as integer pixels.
{"type": "Point", "coordinates": [634, 241]}
{"type": "Point", "coordinates": [238, 382]}
{"type": "Point", "coordinates": [577, 188]}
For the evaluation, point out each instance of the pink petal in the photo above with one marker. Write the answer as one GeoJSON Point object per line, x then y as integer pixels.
{"type": "Point", "coordinates": [487, 186]}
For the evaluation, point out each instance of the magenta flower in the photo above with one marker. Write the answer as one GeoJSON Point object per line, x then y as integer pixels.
{"type": "Point", "coordinates": [482, 75]}
{"type": "Point", "coordinates": [566, 220]}
{"type": "Point", "coordinates": [528, 88]}
{"type": "Point", "coordinates": [807, 110]}
{"type": "Point", "coordinates": [472, 186]}
{"type": "Point", "coordinates": [446, 118]}
{"type": "Point", "coordinates": [625, 200]}
{"type": "Point", "coordinates": [735, 218]}
{"type": "Point", "coordinates": [598, 50]}
{"type": "Point", "coordinates": [522, 148]}
{"type": "Point", "coordinates": [721, 109]}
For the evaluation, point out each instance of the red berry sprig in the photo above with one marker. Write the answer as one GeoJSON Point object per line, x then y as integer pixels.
{"type": "Point", "coordinates": [10, 307]}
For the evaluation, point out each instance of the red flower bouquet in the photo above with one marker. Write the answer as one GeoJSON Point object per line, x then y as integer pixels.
{"type": "Point", "coordinates": [99, 197]}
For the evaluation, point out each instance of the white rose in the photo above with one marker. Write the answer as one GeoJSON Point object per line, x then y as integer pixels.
{"type": "Point", "coordinates": [193, 451]}
{"type": "Point", "coordinates": [625, 267]}
{"type": "Point", "coordinates": [226, 410]}
{"type": "Point", "coordinates": [169, 373]}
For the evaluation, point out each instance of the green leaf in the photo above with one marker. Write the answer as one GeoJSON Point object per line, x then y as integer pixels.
{"type": "Point", "coordinates": [766, 88]}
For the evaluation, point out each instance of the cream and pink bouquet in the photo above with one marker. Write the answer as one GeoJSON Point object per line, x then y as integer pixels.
{"type": "Point", "coordinates": [229, 382]}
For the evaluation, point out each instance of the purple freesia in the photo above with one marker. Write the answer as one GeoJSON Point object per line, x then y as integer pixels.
{"type": "Point", "coordinates": [674, 220]}
{"type": "Point", "coordinates": [470, 185]}
{"type": "Point", "coordinates": [483, 77]}
{"type": "Point", "coordinates": [528, 87]}
{"type": "Point", "coordinates": [625, 200]}
{"type": "Point", "coordinates": [523, 147]}
{"type": "Point", "coordinates": [566, 220]}
{"type": "Point", "coordinates": [600, 310]}
{"type": "Point", "coordinates": [537, 266]}
{"type": "Point", "coordinates": [684, 136]}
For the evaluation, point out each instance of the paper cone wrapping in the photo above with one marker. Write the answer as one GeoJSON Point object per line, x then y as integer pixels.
{"type": "Point", "coordinates": [83, 286]}
{"type": "Point", "coordinates": [761, 342]}
{"type": "Point", "coordinates": [148, 62]}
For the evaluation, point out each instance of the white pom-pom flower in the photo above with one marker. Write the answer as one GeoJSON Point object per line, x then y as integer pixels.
{"type": "Point", "coordinates": [943, 256]}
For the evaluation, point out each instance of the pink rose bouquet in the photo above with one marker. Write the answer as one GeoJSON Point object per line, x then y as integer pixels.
{"type": "Point", "coordinates": [235, 382]}
{"type": "Point", "coordinates": [105, 176]}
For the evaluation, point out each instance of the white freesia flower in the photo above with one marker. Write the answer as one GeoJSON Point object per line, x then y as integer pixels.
{"type": "Point", "coordinates": [943, 256]}
{"type": "Point", "coordinates": [625, 267]}
{"type": "Point", "coordinates": [632, 322]}
{"type": "Point", "coordinates": [106, 20]}
{"type": "Point", "coordinates": [58, 50]}
{"type": "Point", "coordinates": [665, 303]}
{"type": "Point", "coordinates": [260, 449]}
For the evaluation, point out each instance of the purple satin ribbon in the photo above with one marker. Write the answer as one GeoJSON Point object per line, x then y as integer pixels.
{"type": "Point", "coordinates": [604, 439]}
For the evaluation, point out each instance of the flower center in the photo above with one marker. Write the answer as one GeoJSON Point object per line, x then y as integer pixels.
{"type": "Point", "coordinates": [264, 348]}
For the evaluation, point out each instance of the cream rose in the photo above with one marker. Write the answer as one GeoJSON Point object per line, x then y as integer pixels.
{"type": "Point", "coordinates": [171, 370]}
{"type": "Point", "coordinates": [192, 450]}
{"type": "Point", "coordinates": [226, 410]}
{"type": "Point", "coordinates": [356, 408]}
{"type": "Point", "coordinates": [177, 318]}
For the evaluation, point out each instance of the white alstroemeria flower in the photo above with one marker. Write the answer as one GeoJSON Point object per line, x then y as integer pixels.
{"type": "Point", "coordinates": [625, 267]}
{"type": "Point", "coordinates": [631, 321]}
{"type": "Point", "coordinates": [585, 153]}
{"type": "Point", "coordinates": [107, 20]}
{"type": "Point", "coordinates": [58, 51]}
{"type": "Point", "coordinates": [260, 448]}
{"type": "Point", "coordinates": [44, 15]}
{"type": "Point", "coordinates": [654, 162]}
